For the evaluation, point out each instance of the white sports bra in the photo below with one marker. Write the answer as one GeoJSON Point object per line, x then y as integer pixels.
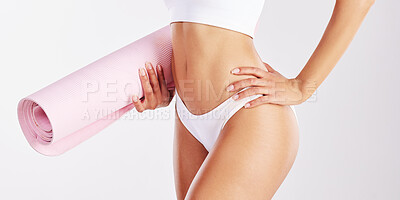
{"type": "Point", "coordinates": [237, 15]}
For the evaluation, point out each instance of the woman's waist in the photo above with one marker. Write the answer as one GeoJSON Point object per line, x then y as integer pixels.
{"type": "Point", "coordinates": [203, 58]}
{"type": "Point", "coordinates": [215, 70]}
{"type": "Point", "coordinates": [201, 82]}
{"type": "Point", "coordinates": [200, 47]}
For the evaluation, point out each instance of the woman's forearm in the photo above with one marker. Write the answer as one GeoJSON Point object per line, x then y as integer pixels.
{"type": "Point", "coordinates": [346, 19]}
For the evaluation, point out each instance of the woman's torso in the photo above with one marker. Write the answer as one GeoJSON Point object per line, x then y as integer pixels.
{"type": "Point", "coordinates": [204, 55]}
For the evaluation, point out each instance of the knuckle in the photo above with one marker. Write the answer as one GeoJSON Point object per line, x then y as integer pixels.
{"type": "Point", "coordinates": [151, 82]}
{"type": "Point", "coordinates": [161, 78]}
{"type": "Point", "coordinates": [256, 90]}
{"type": "Point", "coordinates": [249, 90]}
{"type": "Point", "coordinates": [246, 82]}
{"type": "Point", "coordinates": [155, 79]}
{"type": "Point", "coordinates": [156, 89]}
{"type": "Point", "coordinates": [163, 83]}
{"type": "Point", "coordinates": [266, 82]}
{"type": "Point", "coordinates": [264, 74]}
{"type": "Point", "coordinates": [257, 81]}
{"type": "Point", "coordinates": [268, 74]}
{"type": "Point", "coordinates": [251, 80]}
{"type": "Point", "coordinates": [264, 99]}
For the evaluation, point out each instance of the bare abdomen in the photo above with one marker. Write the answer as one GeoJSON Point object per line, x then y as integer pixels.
{"type": "Point", "coordinates": [203, 58]}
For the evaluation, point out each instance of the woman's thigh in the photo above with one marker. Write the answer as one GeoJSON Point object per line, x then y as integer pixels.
{"type": "Point", "coordinates": [188, 155]}
{"type": "Point", "coordinates": [252, 156]}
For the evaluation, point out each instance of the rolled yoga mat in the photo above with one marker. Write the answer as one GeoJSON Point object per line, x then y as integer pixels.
{"type": "Point", "coordinates": [76, 107]}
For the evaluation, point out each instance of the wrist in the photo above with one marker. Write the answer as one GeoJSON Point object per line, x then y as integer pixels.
{"type": "Point", "coordinates": [306, 88]}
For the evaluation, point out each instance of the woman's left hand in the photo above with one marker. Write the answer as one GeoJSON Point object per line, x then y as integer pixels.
{"type": "Point", "coordinates": [274, 87]}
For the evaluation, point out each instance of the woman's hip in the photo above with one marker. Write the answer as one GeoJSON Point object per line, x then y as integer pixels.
{"type": "Point", "coordinates": [202, 85]}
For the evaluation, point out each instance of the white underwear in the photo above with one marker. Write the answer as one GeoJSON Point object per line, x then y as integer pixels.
{"type": "Point", "coordinates": [207, 127]}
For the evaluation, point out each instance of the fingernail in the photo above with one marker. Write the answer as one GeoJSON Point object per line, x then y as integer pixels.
{"type": "Point", "coordinates": [159, 67]}
{"type": "Point", "coordinates": [142, 72]}
{"type": "Point", "coordinates": [148, 65]}
{"type": "Point", "coordinates": [235, 96]}
{"type": "Point", "coordinates": [236, 70]}
{"type": "Point", "coordinates": [247, 105]}
{"type": "Point", "coordinates": [230, 88]}
{"type": "Point", "coordinates": [134, 98]}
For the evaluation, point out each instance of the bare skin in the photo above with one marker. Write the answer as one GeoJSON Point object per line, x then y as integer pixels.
{"type": "Point", "coordinates": [258, 145]}
{"type": "Point", "coordinates": [345, 21]}
{"type": "Point", "coordinates": [189, 155]}
{"type": "Point", "coordinates": [155, 90]}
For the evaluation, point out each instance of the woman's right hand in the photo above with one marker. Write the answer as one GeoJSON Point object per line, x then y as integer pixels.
{"type": "Point", "coordinates": [156, 94]}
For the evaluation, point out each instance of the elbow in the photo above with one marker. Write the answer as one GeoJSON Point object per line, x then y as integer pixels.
{"type": "Point", "coordinates": [360, 4]}
{"type": "Point", "coordinates": [367, 3]}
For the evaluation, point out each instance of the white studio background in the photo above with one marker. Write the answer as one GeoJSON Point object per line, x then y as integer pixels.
{"type": "Point", "coordinates": [349, 142]}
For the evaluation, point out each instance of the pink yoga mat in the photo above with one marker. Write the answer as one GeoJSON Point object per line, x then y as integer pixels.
{"type": "Point", "coordinates": [76, 107]}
